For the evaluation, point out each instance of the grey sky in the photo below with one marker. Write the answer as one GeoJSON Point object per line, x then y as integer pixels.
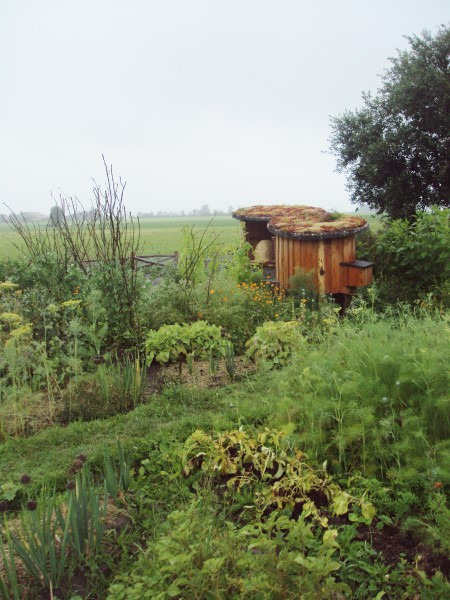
{"type": "Point", "coordinates": [193, 101]}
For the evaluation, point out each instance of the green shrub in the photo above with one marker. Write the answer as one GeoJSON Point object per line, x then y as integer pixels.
{"type": "Point", "coordinates": [166, 303]}
{"type": "Point", "coordinates": [413, 258]}
{"type": "Point", "coordinates": [240, 308]}
{"type": "Point", "coordinates": [274, 342]}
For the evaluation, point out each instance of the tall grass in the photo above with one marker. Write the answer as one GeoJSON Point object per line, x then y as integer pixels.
{"type": "Point", "coordinates": [373, 397]}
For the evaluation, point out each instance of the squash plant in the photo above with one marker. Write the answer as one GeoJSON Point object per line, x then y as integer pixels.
{"type": "Point", "coordinates": [199, 340]}
{"type": "Point", "coordinates": [278, 477]}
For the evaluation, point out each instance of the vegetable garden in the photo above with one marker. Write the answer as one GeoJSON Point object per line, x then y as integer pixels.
{"type": "Point", "coordinates": [204, 433]}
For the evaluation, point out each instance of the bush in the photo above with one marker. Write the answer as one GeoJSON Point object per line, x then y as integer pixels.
{"type": "Point", "coordinates": [273, 343]}
{"type": "Point", "coordinates": [413, 258]}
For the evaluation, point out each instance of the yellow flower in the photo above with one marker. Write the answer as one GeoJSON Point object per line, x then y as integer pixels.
{"type": "Point", "coordinates": [11, 319]}
{"type": "Point", "coordinates": [276, 315]}
{"type": "Point", "coordinates": [71, 304]}
{"type": "Point", "coordinates": [212, 291]}
{"type": "Point", "coordinates": [6, 286]}
{"type": "Point", "coordinates": [22, 331]}
{"type": "Point", "coordinates": [225, 299]}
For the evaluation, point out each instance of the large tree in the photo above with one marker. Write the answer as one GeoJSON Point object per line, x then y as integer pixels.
{"type": "Point", "coordinates": [56, 215]}
{"type": "Point", "coordinates": [396, 149]}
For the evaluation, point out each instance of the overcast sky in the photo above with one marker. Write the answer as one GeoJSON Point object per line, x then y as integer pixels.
{"type": "Point", "coordinates": [219, 102]}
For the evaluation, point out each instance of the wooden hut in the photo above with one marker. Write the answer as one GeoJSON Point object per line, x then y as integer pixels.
{"type": "Point", "coordinates": [313, 240]}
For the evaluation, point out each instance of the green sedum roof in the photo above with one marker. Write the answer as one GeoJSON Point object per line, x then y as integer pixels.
{"type": "Point", "coordinates": [302, 222]}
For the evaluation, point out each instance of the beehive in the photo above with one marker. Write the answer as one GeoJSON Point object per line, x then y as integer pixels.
{"type": "Point", "coordinates": [312, 239]}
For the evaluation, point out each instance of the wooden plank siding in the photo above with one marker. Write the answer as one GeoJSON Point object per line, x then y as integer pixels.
{"type": "Point", "coordinates": [323, 257]}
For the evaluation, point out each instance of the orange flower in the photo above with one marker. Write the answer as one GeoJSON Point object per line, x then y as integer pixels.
{"type": "Point", "coordinates": [438, 484]}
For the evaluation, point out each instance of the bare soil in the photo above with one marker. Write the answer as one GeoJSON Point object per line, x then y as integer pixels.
{"type": "Point", "coordinates": [395, 545]}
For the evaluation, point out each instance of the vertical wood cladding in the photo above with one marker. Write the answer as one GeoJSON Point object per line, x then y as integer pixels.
{"type": "Point", "coordinates": [321, 257]}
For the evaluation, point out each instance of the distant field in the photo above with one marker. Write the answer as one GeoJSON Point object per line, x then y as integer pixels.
{"type": "Point", "coordinates": [160, 236]}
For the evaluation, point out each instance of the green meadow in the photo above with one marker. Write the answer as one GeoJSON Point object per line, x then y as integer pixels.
{"type": "Point", "coordinates": [160, 235]}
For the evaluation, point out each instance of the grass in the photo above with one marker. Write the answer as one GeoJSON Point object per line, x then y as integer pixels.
{"type": "Point", "coordinates": [161, 236]}
{"type": "Point", "coordinates": [158, 236]}
{"type": "Point", "coordinates": [171, 416]}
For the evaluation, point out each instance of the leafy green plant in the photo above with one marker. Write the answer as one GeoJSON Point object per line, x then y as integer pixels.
{"type": "Point", "coordinates": [8, 491]}
{"type": "Point", "coordinates": [240, 267]}
{"type": "Point", "coordinates": [200, 556]}
{"type": "Point", "coordinates": [279, 478]}
{"type": "Point", "coordinates": [273, 344]}
{"type": "Point", "coordinates": [172, 343]}
{"type": "Point", "coordinates": [258, 527]}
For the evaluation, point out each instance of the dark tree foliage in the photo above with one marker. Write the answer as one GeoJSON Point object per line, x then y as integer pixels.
{"type": "Point", "coordinates": [56, 216]}
{"type": "Point", "coordinates": [396, 149]}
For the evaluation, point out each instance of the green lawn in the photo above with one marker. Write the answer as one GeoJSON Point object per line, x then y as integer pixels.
{"type": "Point", "coordinates": [160, 236]}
